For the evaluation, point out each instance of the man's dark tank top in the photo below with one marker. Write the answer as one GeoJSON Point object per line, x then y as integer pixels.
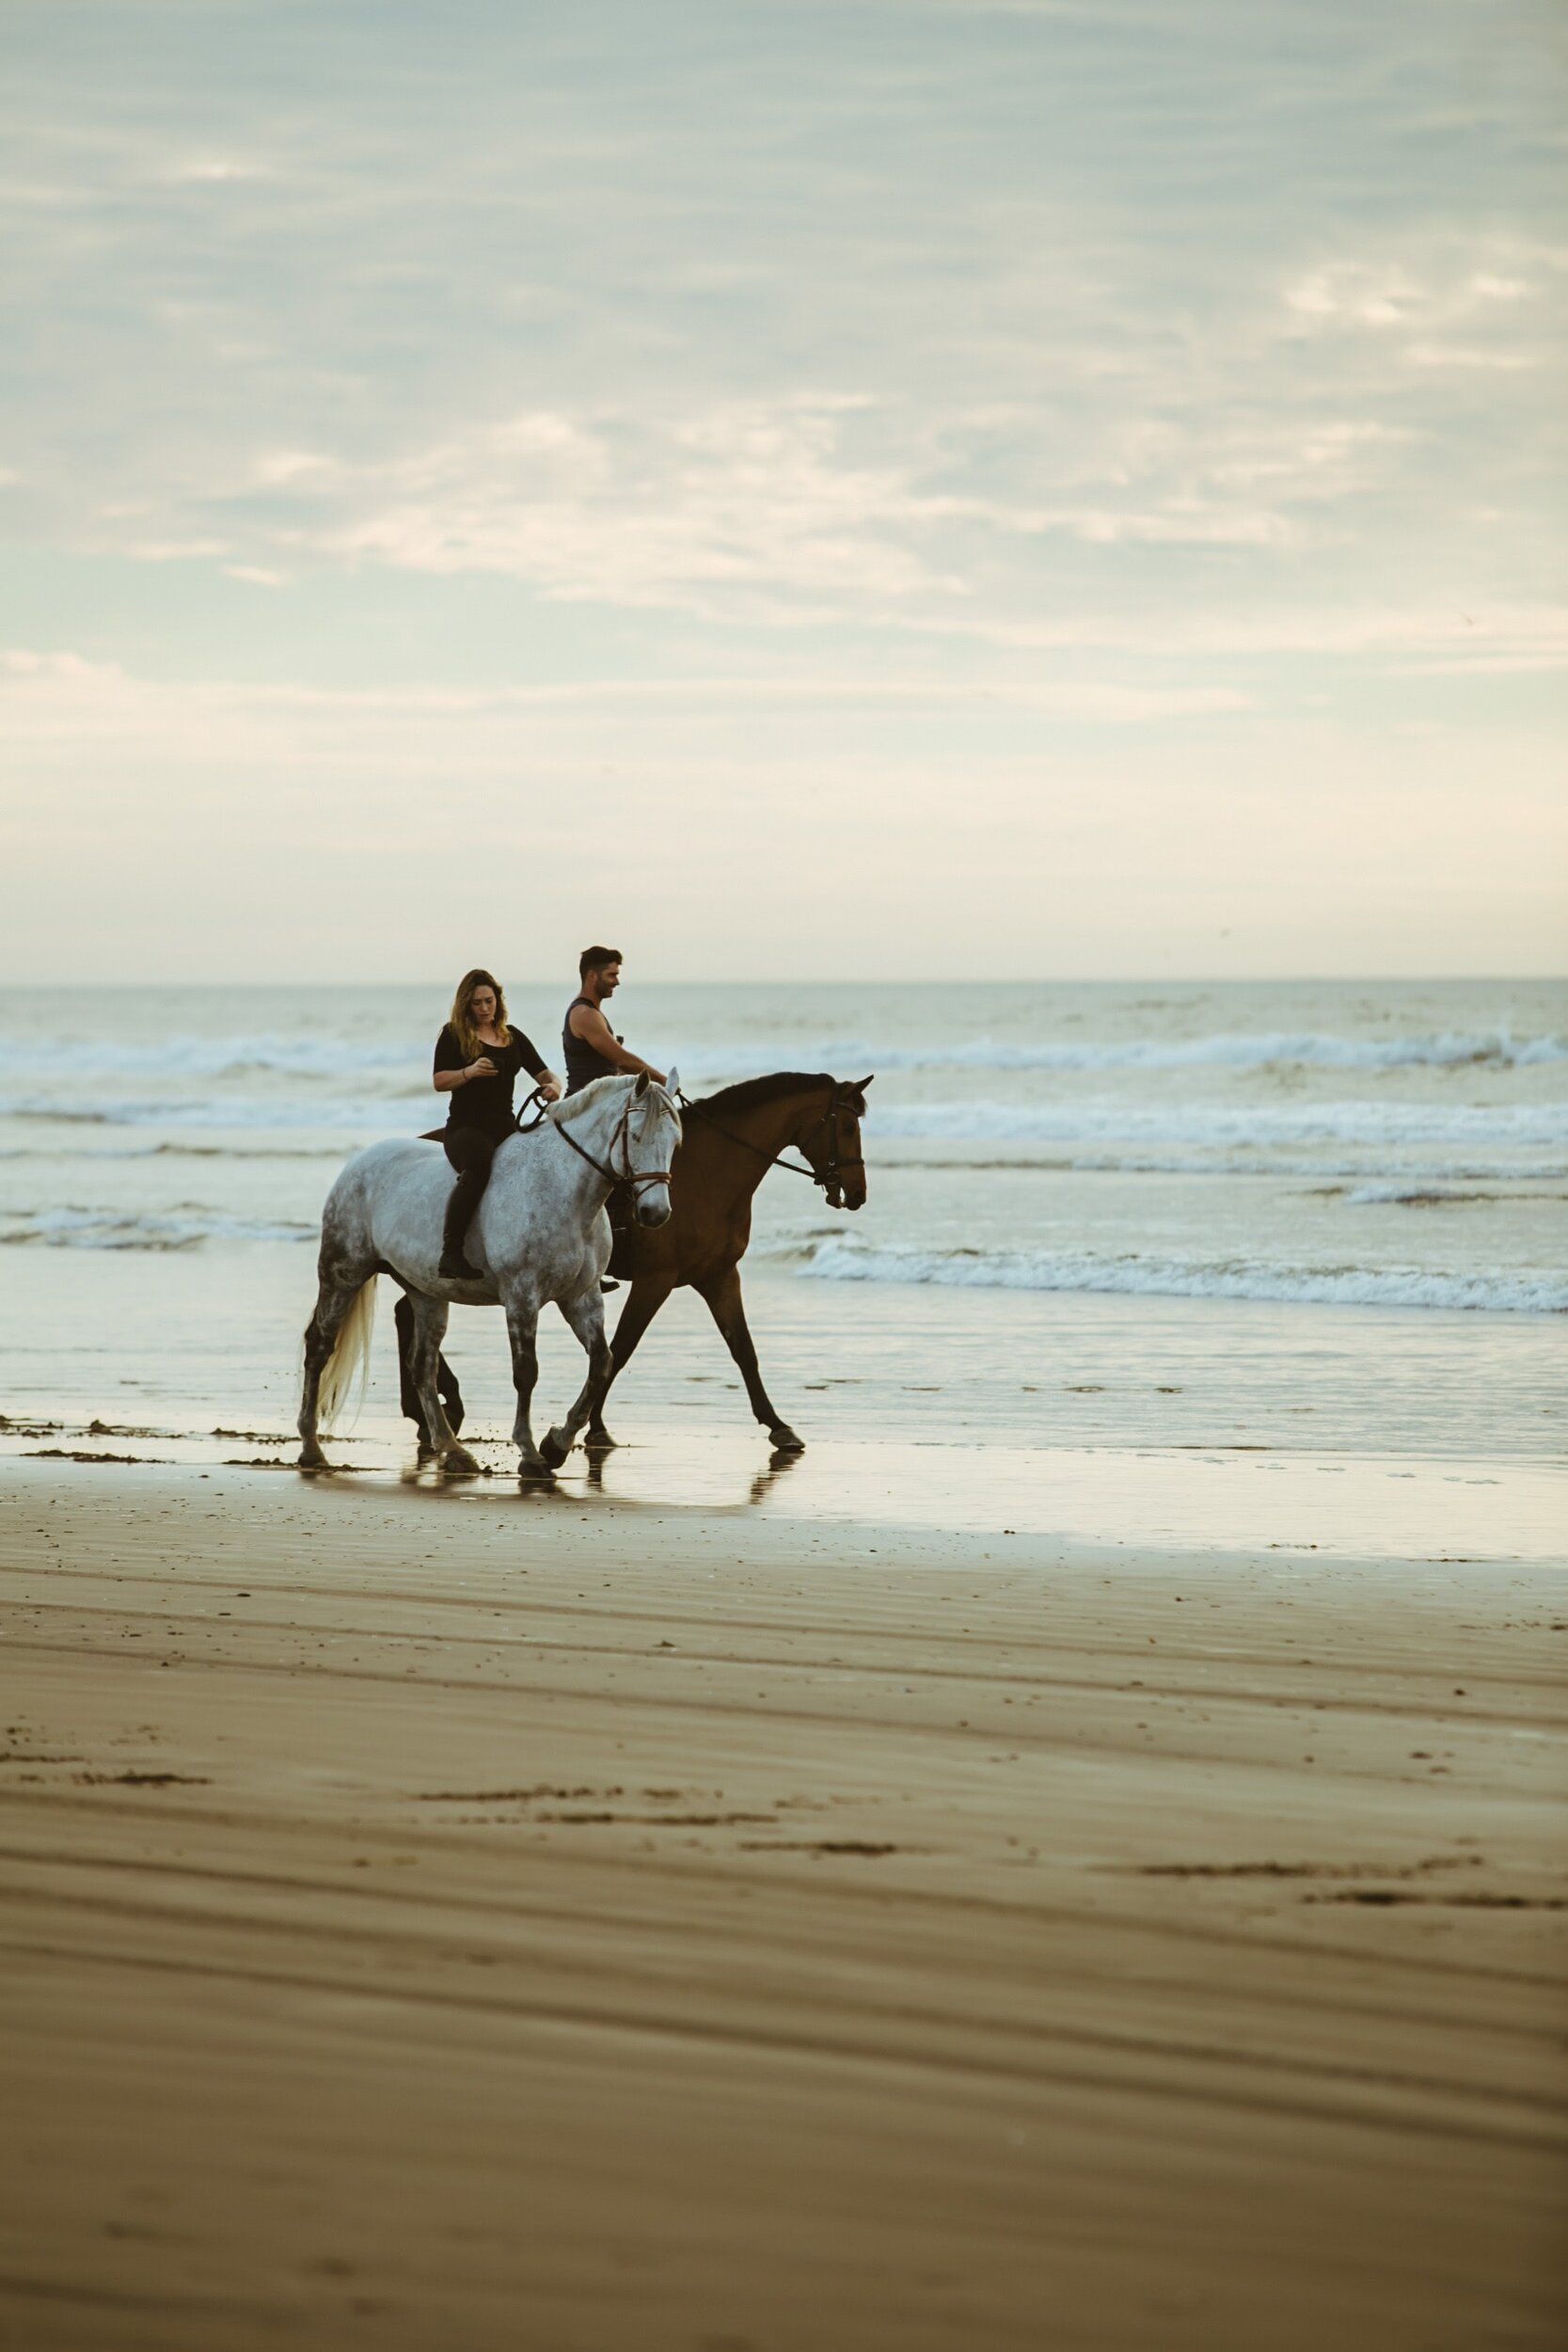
{"type": "Point", "coordinates": [584, 1062]}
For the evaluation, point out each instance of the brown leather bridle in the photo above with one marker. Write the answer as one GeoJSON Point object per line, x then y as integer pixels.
{"type": "Point", "coordinates": [829, 1175]}
{"type": "Point", "coordinates": [630, 1176]}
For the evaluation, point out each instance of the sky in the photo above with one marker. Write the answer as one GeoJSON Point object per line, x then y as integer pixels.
{"type": "Point", "coordinates": [884, 489]}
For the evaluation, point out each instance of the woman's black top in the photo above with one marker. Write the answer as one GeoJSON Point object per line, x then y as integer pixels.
{"type": "Point", "coordinates": [486, 1103]}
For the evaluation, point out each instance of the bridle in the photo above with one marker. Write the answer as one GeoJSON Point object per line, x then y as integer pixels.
{"type": "Point", "coordinates": [829, 1175]}
{"type": "Point", "coordinates": [635, 1178]}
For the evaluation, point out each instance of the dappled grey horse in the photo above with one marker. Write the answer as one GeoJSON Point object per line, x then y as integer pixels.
{"type": "Point", "coordinates": [539, 1233]}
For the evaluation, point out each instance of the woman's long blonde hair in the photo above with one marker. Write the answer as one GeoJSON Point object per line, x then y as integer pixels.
{"type": "Point", "coordinates": [462, 1020]}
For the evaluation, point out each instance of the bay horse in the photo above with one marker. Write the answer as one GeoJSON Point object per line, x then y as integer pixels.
{"type": "Point", "coordinates": [729, 1142]}
{"type": "Point", "coordinates": [540, 1234]}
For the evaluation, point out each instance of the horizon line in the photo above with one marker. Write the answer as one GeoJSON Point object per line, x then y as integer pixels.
{"type": "Point", "coordinates": [1120, 979]}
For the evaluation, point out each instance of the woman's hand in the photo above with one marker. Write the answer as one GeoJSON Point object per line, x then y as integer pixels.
{"type": "Point", "coordinates": [483, 1068]}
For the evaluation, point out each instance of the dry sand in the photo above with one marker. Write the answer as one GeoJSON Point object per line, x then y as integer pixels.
{"type": "Point", "coordinates": [439, 1921]}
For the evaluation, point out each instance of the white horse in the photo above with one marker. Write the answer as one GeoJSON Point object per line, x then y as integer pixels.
{"type": "Point", "coordinates": [539, 1233]}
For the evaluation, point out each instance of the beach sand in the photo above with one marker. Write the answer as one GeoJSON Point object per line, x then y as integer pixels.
{"type": "Point", "coordinates": [444, 1918]}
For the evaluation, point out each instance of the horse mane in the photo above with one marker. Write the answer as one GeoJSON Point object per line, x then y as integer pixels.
{"type": "Point", "coordinates": [585, 1096]}
{"type": "Point", "coordinates": [745, 1095]}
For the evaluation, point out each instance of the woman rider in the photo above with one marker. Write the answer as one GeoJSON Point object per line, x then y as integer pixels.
{"type": "Point", "coordinates": [477, 1060]}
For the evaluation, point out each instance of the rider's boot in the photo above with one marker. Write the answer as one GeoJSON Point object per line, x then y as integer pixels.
{"type": "Point", "coordinates": [454, 1267]}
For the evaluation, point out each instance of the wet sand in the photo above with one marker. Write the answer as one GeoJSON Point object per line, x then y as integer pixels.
{"type": "Point", "coordinates": [437, 1918]}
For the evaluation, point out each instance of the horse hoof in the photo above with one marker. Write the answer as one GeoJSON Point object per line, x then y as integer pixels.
{"type": "Point", "coordinates": [784, 1440]}
{"type": "Point", "coordinates": [555, 1449]}
{"type": "Point", "coordinates": [534, 1471]}
{"type": "Point", "coordinates": [311, 1457]}
{"type": "Point", "coordinates": [599, 1441]}
{"type": "Point", "coordinates": [457, 1462]}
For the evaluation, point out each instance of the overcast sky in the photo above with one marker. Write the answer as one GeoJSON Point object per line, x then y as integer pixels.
{"type": "Point", "coordinates": [887, 488]}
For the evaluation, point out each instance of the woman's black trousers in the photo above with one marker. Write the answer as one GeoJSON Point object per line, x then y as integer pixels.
{"type": "Point", "coordinates": [470, 1151]}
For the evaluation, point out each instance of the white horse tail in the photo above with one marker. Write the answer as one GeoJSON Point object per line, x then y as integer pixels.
{"type": "Point", "coordinates": [350, 1361]}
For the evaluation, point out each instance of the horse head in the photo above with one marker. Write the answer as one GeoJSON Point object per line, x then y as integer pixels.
{"type": "Point", "coordinates": [653, 1134]}
{"type": "Point", "coordinates": [832, 1143]}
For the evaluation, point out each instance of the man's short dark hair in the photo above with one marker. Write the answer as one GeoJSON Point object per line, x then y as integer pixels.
{"type": "Point", "coordinates": [594, 960]}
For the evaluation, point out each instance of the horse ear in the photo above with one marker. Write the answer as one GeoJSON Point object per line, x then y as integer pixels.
{"type": "Point", "coordinates": [672, 1083]}
{"type": "Point", "coordinates": [642, 1087]}
{"type": "Point", "coordinates": [864, 1083]}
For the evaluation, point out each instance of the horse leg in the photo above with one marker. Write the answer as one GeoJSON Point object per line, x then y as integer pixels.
{"type": "Point", "coordinates": [728, 1311]}
{"type": "Point", "coordinates": [586, 1316]}
{"type": "Point", "coordinates": [648, 1296]}
{"type": "Point", "coordinates": [408, 1400]}
{"type": "Point", "coordinates": [429, 1319]}
{"type": "Point", "coordinates": [334, 1297]}
{"type": "Point", "coordinates": [522, 1330]}
{"type": "Point", "coordinates": [446, 1380]}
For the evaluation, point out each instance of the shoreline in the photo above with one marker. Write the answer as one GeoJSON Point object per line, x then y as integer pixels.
{"type": "Point", "coordinates": [1188, 1499]}
{"type": "Point", "coordinates": [726, 1926]}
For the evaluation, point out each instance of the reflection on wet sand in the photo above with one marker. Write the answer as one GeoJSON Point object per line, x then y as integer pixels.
{"type": "Point", "coordinates": [1227, 1498]}
{"type": "Point", "coordinates": [781, 1458]}
{"type": "Point", "coordinates": [598, 1459]}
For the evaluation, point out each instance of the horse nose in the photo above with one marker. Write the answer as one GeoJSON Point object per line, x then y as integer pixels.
{"type": "Point", "coordinates": [656, 1211]}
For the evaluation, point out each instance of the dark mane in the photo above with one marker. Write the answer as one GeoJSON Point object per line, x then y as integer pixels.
{"type": "Point", "coordinates": [750, 1091]}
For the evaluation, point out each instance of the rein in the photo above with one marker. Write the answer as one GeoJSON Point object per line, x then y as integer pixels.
{"type": "Point", "coordinates": [825, 1176]}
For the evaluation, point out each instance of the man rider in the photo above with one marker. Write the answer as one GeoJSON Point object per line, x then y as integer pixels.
{"type": "Point", "coordinates": [590, 1045]}
{"type": "Point", "coordinates": [590, 1050]}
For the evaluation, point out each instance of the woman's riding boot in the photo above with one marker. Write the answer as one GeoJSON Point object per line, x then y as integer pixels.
{"type": "Point", "coordinates": [454, 1267]}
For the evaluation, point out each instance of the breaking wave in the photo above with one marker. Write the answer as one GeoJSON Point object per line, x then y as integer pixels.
{"type": "Point", "coordinates": [844, 1261]}
{"type": "Point", "coordinates": [115, 1229]}
{"type": "Point", "coordinates": [392, 1115]}
{"type": "Point", "coordinates": [212, 1057]}
{"type": "Point", "coordinates": [1098, 1121]}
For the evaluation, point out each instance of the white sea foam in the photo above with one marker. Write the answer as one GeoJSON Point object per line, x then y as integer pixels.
{"type": "Point", "coordinates": [1448, 1049]}
{"type": "Point", "coordinates": [1498, 1292]}
{"type": "Point", "coordinates": [1223, 1125]}
{"type": "Point", "coordinates": [243, 1057]}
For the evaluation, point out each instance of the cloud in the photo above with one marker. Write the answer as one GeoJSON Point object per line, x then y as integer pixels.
{"type": "Point", "coordinates": [682, 390]}
{"type": "Point", "coordinates": [756, 499]}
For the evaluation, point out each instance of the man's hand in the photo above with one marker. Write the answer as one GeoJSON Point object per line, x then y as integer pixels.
{"type": "Point", "coordinates": [549, 1086]}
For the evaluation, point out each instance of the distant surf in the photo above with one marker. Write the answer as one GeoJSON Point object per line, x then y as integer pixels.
{"type": "Point", "coordinates": [243, 1058]}
{"type": "Point", "coordinates": [120, 1229]}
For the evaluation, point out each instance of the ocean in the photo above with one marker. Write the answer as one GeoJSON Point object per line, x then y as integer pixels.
{"type": "Point", "coordinates": [1314, 1219]}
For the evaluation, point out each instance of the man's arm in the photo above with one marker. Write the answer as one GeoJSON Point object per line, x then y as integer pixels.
{"type": "Point", "coordinates": [589, 1023]}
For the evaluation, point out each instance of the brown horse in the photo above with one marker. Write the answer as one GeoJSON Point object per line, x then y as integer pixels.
{"type": "Point", "coordinates": [731, 1140]}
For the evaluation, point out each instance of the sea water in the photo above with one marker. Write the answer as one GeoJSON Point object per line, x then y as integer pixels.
{"type": "Point", "coordinates": [1288, 1218]}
